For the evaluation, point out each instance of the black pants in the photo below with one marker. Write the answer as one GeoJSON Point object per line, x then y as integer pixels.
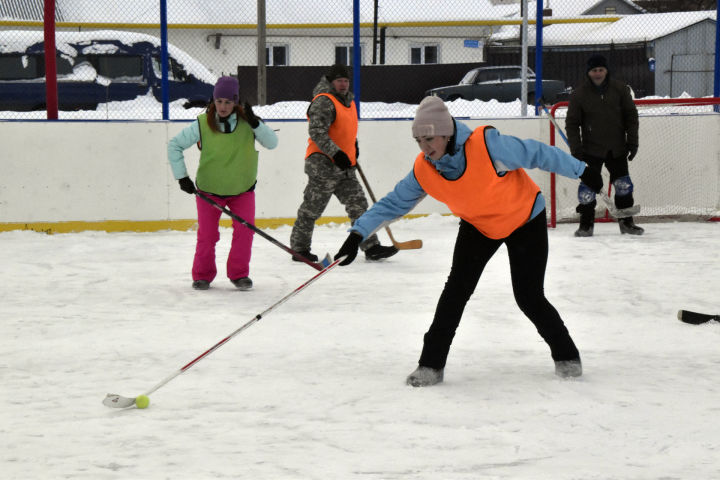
{"type": "Point", "coordinates": [618, 168]}
{"type": "Point", "coordinates": [527, 250]}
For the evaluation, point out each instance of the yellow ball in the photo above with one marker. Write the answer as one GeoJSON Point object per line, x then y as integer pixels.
{"type": "Point", "coordinates": [142, 401]}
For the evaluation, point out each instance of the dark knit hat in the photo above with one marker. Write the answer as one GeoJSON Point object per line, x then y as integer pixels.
{"type": "Point", "coordinates": [337, 71]}
{"type": "Point", "coordinates": [432, 118]}
{"type": "Point", "coordinates": [227, 87]}
{"type": "Point", "coordinates": [595, 61]}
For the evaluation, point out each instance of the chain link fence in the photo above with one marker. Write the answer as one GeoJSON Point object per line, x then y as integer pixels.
{"type": "Point", "coordinates": [109, 54]}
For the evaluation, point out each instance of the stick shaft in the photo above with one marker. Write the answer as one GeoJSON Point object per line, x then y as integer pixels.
{"type": "Point", "coordinates": [246, 325]}
{"type": "Point", "coordinates": [252, 227]}
{"type": "Point", "coordinates": [410, 244]}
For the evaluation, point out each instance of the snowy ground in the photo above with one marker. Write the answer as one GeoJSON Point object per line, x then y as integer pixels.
{"type": "Point", "coordinates": [315, 390]}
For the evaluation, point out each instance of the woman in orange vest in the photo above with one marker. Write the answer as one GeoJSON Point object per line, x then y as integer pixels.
{"type": "Point", "coordinates": [480, 176]}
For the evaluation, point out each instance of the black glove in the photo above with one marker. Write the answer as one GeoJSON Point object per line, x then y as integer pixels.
{"type": "Point", "coordinates": [592, 178]}
{"type": "Point", "coordinates": [357, 150]}
{"type": "Point", "coordinates": [187, 185]}
{"type": "Point", "coordinates": [349, 248]}
{"type": "Point", "coordinates": [632, 151]}
{"type": "Point", "coordinates": [577, 155]}
{"type": "Point", "coordinates": [252, 119]}
{"type": "Point", "coordinates": [342, 160]}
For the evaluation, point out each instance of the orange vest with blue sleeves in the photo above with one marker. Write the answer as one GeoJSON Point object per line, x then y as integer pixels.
{"type": "Point", "coordinates": [495, 205]}
{"type": "Point", "coordinates": [343, 131]}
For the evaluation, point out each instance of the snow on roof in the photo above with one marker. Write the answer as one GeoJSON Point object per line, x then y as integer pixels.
{"type": "Point", "coordinates": [629, 29]}
{"type": "Point", "coordinates": [312, 11]}
{"type": "Point", "coordinates": [20, 40]}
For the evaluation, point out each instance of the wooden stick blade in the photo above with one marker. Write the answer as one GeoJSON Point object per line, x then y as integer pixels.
{"type": "Point", "coordinates": [409, 245]}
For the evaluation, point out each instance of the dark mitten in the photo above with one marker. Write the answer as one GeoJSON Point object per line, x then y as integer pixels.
{"type": "Point", "coordinates": [632, 151]}
{"type": "Point", "coordinates": [592, 178]}
{"type": "Point", "coordinates": [187, 185]}
{"type": "Point", "coordinates": [341, 160]}
{"type": "Point", "coordinates": [349, 249]}
{"type": "Point", "coordinates": [252, 119]}
{"type": "Point", "coordinates": [357, 150]}
{"type": "Point", "coordinates": [577, 155]}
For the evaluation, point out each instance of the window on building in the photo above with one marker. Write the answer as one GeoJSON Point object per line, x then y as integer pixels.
{"type": "Point", "coordinates": [276, 55]}
{"type": "Point", "coordinates": [610, 10]}
{"type": "Point", "coordinates": [344, 55]}
{"type": "Point", "coordinates": [420, 54]}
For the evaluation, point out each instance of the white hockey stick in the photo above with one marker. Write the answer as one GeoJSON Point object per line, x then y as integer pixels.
{"type": "Point", "coordinates": [614, 211]}
{"type": "Point", "coordinates": [114, 400]}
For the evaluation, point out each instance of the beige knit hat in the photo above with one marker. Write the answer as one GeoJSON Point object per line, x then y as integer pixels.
{"type": "Point", "coordinates": [432, 119]}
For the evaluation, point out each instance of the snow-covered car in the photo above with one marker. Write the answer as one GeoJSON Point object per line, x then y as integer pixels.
{"type": "Point", "coordinates": [503, 84]}
{"type": "Point", "coordinates": [96, 67]}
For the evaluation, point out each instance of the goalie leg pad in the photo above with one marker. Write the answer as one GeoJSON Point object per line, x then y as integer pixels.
{"type": "Point", "coordinates": [623, 192]}
{"type": "Point", "coordinates": [585, 195]}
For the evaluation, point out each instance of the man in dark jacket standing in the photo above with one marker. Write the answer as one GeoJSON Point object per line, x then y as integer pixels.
{"type": "Point", "coordinates": [602, 128]}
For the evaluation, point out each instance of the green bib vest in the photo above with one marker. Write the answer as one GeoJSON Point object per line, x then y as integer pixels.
{"type": "Point", "coordinates": [228, 161]}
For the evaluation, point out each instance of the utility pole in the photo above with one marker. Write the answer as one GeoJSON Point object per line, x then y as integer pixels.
{"type": "Point", "coordinates": [261, 67]}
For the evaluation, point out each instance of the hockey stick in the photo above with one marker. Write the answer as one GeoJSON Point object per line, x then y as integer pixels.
{"type": "Point", "coordinates": [614, 211]}
{"type": "Point", "coordinates": [408, 245]}
{"type": "Point", "coordinates": [695, 318]}
{"type": "Point", "coordinates": [113, 400]}
{"type": "Point", "coordinates": [316, 265]}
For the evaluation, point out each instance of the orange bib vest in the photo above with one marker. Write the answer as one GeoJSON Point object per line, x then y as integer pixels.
{"type": "Point", "coordinates": [343, 130]}
{"type": "Point", "coordinates": [495, 205]}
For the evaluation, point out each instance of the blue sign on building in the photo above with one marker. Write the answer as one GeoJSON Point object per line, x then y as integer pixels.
{"type": "Point", "coordinates": [471, 44]}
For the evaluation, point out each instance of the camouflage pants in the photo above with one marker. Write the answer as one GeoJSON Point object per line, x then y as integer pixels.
{"type": "Point", "coordinates": [324, 181]}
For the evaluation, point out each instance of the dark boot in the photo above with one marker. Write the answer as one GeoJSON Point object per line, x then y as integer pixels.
{"type": "Point", "coordinates": [201, 284]}
{"type": "Point", "coordinates": [378, 252]}
{"type": "Point", "coordinates": [305, 253]}
{"type": "Point", "coordinates": [587, 219]}
{"type": "Point", "coordinates": [628, 226]}
{"type": "Point", "coordinates": [243, 283]}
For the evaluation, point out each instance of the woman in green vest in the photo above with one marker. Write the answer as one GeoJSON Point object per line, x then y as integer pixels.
{"type": "Point", "coordinates": [227, 173]}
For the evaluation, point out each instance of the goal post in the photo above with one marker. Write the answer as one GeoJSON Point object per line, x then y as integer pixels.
{"type": "Point", "coordinates": [676, 173]}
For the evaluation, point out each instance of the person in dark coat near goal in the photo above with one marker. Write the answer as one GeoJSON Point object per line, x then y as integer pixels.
{"type": "Point", "coordinates": [602, 128]}
{"type": "Point", "coordinates": [480, 176]}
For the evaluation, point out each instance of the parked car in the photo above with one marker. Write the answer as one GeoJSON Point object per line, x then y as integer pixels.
{"type": "Point", "coordinates": [96, 67]}
{"type": "Point", "coordinates": [499, 83]}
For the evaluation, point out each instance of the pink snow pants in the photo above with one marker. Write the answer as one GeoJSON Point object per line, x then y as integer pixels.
{"type": "Point", "coordinates": [208, 234]}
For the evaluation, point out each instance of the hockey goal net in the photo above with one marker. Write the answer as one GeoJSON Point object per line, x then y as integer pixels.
{"type": "Point", "coordinates": [676, 173]}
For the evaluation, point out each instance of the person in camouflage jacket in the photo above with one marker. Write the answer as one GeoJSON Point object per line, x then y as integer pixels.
{"type": "Point", "coordinates": [330, 161]}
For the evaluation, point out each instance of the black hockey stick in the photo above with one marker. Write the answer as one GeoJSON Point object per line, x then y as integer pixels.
{"type": "Point", "coordinates": [614, 211]}
{"type": "Point", "coordinates": [695, 318]}
{"type": "Point", "coordinates": [316, 265]}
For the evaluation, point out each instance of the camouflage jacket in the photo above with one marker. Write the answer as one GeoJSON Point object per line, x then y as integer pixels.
{"type": "Point", "coordinates": [321, 114]}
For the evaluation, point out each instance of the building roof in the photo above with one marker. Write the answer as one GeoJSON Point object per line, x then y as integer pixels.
{"type": "Point", "coordinates": [284, 12]}
{"type": "Point", "coordinates": [26, 10]}
{"type": "Point", "coordinates": [629, 29]}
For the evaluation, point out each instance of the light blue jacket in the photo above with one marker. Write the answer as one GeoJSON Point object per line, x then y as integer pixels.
{"type": "Point", "coordinates": [190, 135]}
{"type": "Point", "coordinates": [507, 153]}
